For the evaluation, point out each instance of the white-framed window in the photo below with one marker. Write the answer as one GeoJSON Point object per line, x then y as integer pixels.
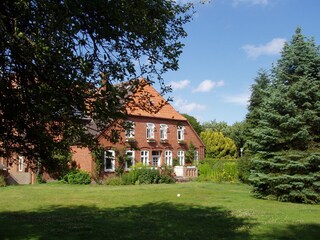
{"type": "Point", "coordinates": [20, 163]}
{"type": "Point", "coordinates": [163, 131]}
{"type": "Point", "coordinates": [196, 156]}
{"type": "Point", "coordinates": [109, 161]}
{"type": "Point", "coordinates": [180, 133]}
{"type": "Point", "coordinates": [130, 160]}
{"type": "Point", "coordinates": [150, 130]}
{"type": "Point", "coordinates": [181, 158]}
{"type": "Point", "coordinates": [168, 157]}
{"type": "Point", "coordinates": [130, 130]}
{"type": "Point", "coordinates": [156, 158]}
{"type": "Point", "coordinates": [144, 157]}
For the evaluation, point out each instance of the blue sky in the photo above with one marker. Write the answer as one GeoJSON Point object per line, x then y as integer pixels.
{"type": "Point", "coordinates": [228, 42]}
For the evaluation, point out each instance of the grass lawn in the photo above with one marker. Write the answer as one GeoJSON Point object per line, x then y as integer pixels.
{"type": "Point", "coordinates": [203, 211]}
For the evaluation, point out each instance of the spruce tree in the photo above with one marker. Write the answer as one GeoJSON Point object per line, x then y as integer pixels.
{"type": "Point", "coordinates": [285, 133]}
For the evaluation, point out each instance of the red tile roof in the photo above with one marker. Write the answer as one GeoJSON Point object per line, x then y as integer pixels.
{"type": "Point", "coordinates": [147, 102]}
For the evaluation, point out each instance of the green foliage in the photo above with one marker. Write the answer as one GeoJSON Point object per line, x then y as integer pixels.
{"type": "Point", "coordinates": [218, 170]}
{"type": "Point", "coordinates": [194, 123]}
{"type": "Point", "coordinates": [216, 126]}
{"type": "Point", "coordinates": [148, 176]}
{"type": "Point", "coordinates": [143, 175]}
{"type": "Point", "coordinates": [237, 131]}
{"type": "Point", "coordinates": [218, 146]}
{"type": "Point", "coordinates": [113, 181]}
{"type": "Point", "coordinates": [284, 110]}
{"type": "Point", "coordinates": [189, 155]}
{"type": "Point", "coordinates": [77, 177]}
{"type": "Point", "coordinates": [259, 92]}
{"type": "Point", "coordinates": [2, 181]}
{"type": "Point", "coordinates": [55, 54]}
{"type": "Point", "coordinates": [284, 120]}
{"type": "Point", "coordinates": [244, 168]}
{"type": "Point", "coordinates": [167, 175]}
{"type": "Point", "coordinates": [175, 162]}
{"type": "Point", "coordinates": [287, 176]}
{"type": "Point", "coordinates": [59, 164]}
{"type": "Point", "coordinates": [40, 179]}
{"type": "Point", "coordinates": [98, 158]}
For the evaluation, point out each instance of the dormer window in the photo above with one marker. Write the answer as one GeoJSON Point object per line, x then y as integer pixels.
{"type": "Point", "coordinates": [150, 131]}
{"type": "Point", "coordinates": [163, 131]}
{"type": "Point", "coordinates": [180, 133]}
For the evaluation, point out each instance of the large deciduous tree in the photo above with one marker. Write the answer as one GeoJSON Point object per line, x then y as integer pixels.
{"type": "Point", "coordinates": [54, 55]}
{"type": "Point", "coordinates": [194, 123]}
{"type": "Point", "coordinates": [285, 125]}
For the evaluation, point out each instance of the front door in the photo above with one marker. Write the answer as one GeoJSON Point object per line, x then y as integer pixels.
{"type": "Point", "coordinates": [156, 156]}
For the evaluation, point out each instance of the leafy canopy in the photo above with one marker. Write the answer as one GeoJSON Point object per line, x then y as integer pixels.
{"type": "Point", "coordinates": [194, 123]}
{"type": "Point", "coordinates": [55, 54]}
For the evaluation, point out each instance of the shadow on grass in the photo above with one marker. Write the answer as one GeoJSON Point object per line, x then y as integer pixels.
{"type": "Point", "coordinates": [291, 232]}
{"type": "Point", "coordinates": [151, 221]}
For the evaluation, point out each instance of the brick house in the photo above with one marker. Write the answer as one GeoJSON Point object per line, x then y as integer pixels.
{"type": "Point", "coordinates": [155, 139]}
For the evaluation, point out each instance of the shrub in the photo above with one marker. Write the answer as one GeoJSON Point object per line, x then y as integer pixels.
{"type": "Point", "coordinates": [167, 175]}
{"type": "Point", "coordinates": [40, 179]}
{"type": "Point", "coordinates": [148, 176]}
{"type": "Point", "coordinates": [60, 164]}
{"type": "Point", "coordinates": [140, 174]}
{"type": "Point", "coordinates": [113, 181]}
{"type": "Point", "coordinates": [244, 168]}
{"type": "Point", "coordinates": [77, 177]}
{"type": "Point", "coordinates": [2, 181]}
{"type": "Point", "coordinates": [218, 170]}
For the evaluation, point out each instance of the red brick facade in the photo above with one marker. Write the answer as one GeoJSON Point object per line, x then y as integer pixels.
{"type": "Point", "coordinates": [157, 139]}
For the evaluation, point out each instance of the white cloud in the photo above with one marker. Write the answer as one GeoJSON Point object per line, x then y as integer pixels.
{"type": "Point", "coordinates": [207, 85]}
{"type": "Point", "coordinates": [239, 99]}
{"type": "Point", "coordinates": [235, 3]}
{"type": "Point", "coordinates": [184, 106]}
{"type": "Point", "coordinates": [273, 47]}
{"type": "Point", "coordinates": [180, 85]}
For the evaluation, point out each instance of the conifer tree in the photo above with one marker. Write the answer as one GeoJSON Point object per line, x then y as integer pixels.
{"type": "Point", "coordinates": [285, 133]}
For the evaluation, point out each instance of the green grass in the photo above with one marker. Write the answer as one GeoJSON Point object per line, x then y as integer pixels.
{"type": "Point", "coordinates": [204, 211]}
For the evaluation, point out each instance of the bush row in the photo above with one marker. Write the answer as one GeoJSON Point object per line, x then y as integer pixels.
{"type": "Point", "coordinates": [218, 170]}
{"type": "Point", "coordinates": [77, 177]}
{"type": "Point", "coordinates": [142, 175]}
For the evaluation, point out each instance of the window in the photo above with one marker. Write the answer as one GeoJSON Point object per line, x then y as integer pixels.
{"type": "Point", "coordinates": [156, 156]}
{"type": "Point", "coordinates": [163, 131]}
{"type": "Point", "coordinates": [20, 163]}
{"type": "Point", "coordinates": [109, 161]}
{"type": "Point", "coordinates": [180, 133]}
{"type": "Point", "coordinates": [196, 156]}
{"type": "Point", "coordinates": [168, 158]}
{"type": "Point", "coordinates": [129, 130]}
{"type": "Point", "coordinates": [181, 158]}
{"type": "Point", "coordinates": [144, 157]}
{"type": "Point", "coordinates": [130, 160]}
{"type": "Point", "coordinates": [150, 131]}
